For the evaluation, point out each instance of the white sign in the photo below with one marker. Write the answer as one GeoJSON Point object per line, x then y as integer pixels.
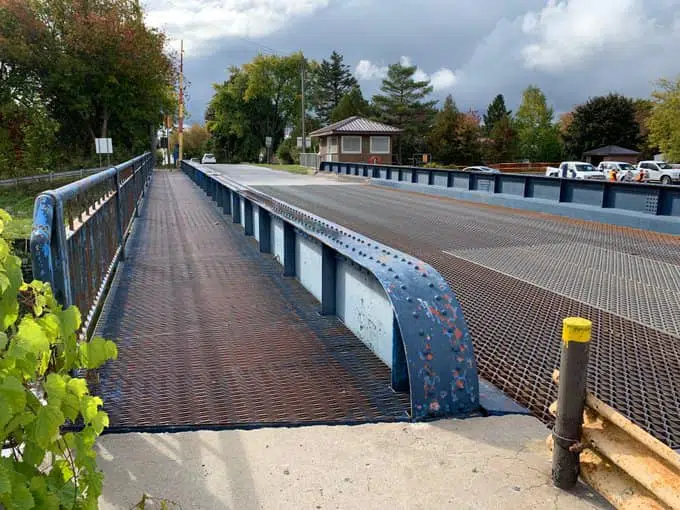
{"type": "Point", "coordinates": [308, 142]}
{"type": "Point", "coordinates": [103, 145]}
{"type": "Point", "coordinates": [268, 141]}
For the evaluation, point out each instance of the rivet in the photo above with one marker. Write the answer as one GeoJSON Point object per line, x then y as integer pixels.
{"type": "Point", "coordinates": [417, 268]}
{"type": "Point", "coordinates": [443, 312]}
{"type": "Point", "coordinates": [354, 249]}
{"type": "Point", "coordinates": [403, 260]}
{"type": "Point", "coordinates": [370, 258]}
{"type": "Point", "coordinates": [431, 285]}
{"type": "Point", "coordinates": [438, 297]}
{"type": "Point", "coordinates": [421, 332]}
{"type": "Point", "coordinates": [403, 287]}
{"type": "Point", "coordinates": [415, 315]}
{"type": "Point", "coordinates": [409, 262]}
{"type": "Point", "coordinates": [450, 330]}
{"type": "Point", "coordinates": [424, 275]}
{"type": "Point", "coordinates": [409, 299]}
{"type": "Point", "coordinates": [389, 269]}
{"type": "Point", "coordinates": [396, 276]}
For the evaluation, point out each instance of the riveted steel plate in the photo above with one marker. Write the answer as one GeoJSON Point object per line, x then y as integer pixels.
{"type": "Point", "coordinates": [211, 335]}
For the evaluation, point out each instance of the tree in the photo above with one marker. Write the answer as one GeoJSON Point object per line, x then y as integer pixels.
{"type": "Point", "coordinates": [501, 143]}
{"type": "Point", "coordinates": [603, 120]}
{"type": "Point", "coordinates": [94, 66]}
{"type": "Point", "coordinates": [443, 137]}
{"type": "Point", "coordinates": [495, 112]}
{"type": "Point", "coordinates": [402, 105]}
{"type": "Point", "coordinates": [538, 138]}
{"type": "Point", "coordinates": [643, 114]}
{"type": "Point", "coordinates": [195, 141]}
{"type": "Point", "coordinates": [352, 103]}
{"type": "Point", "coordinates": [664, 123]}
{"type": "Point", "coordinates": [331, 81]}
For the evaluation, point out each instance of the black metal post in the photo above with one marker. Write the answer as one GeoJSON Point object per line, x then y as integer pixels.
{"type": "Point", "coordinates": [328, 265]}
{"type": "Point", "coordinates": [570, 401]}
{"type": "Point", "coordinates": [288, 249]}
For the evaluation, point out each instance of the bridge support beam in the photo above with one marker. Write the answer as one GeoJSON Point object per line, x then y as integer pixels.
{"type": "Point", "coordinates": [288, 250]}
{"type": "Point", "coordinates": [265, 226]}
{"type": "Point", "coordinates": [235, 208]}
{"type": "Point", "coordinates": [248, 211]}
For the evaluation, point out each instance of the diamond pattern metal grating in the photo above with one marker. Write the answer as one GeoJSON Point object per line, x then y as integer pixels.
{"type": "Point", "coordinates": [515, 325]}
{"type": "Point", "coordinates": [211, 335]}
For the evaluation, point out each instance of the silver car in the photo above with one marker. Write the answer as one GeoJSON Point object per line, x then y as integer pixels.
{"type": "Point", "coordinates": [483, 169]}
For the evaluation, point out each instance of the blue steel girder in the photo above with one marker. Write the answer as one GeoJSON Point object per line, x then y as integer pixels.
{"type": "Point", "coordinates": [437, 346]}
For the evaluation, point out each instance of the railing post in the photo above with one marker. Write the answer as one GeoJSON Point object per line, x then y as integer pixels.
{"type": "Point", "coordinates": [264, 227]}
{"type": "Point", "coordinates": [328, 265]}
{"type": "Point", "coordinates": [119, 216]}
{"type": "Point", "coordinates": [235, 207]}
{"type": "Point", "coordinates": [288, 249]}
{"type": "Point", "coordinates": [570, 401]}
{"type": "Point", "coordinates": [226, 204]}
{"type": "Point", "coordinates": [249, 214]}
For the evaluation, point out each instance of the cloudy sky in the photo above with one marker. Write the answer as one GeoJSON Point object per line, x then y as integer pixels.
{"type": "Point", "coordinates": [472, 49]}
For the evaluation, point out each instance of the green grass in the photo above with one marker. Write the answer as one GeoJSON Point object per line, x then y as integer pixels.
{"type": "Point", "coordinates": [294, 169]}
{"type": "Point", "coordinates": [18, 202]}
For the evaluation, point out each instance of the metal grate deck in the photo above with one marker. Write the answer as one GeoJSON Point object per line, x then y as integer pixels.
{"type": "Point", "coordinates": [211, 335]}
{"type": "Point", "coordinates": [517, 274]}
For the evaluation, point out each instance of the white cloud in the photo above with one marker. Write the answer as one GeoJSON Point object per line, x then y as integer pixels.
{"type": "Point", "coordinates": [442, 79]}
{"type": "Point", "coordinates": [367, 70]}
{"type": "Point", "coordinates": [564, 33]}
{"type": "Point", "coordinates": [202, 23]}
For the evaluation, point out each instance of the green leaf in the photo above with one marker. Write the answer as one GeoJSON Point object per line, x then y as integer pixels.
{"type": "Point", "coordinates": [70, 321]}
{"type": "Point", "coordinates": [9, 310]}
{"type": "Point", "coordinates": [70, 406]}
{"type": "Point", "coordinates": [3, 341]}
{"type": "Point", "coordinates": [33, 454]}
{"type": "Point", "coordinates": [43, 499]}
{"type": "Point", "coordinates": [4, 281]}
{"type": "Point", "coordinates": [89, 407]}
{"type": "Point", "coordinates": [100, 422]}
{"type": "Point", "coordinates": [5, 480]}
{"type": "Point", "coordinates": [32, 337]}
{"type": "Point", "coordinates": [46, 426]}
{"type": "Point", "coordinates": [96, 352]}
{"type": "Point", "coordinates": [13, 392]}
{"type": "Point", "coordinates": [22, 498]}
{"type": "Point", "coordinates": [77, 386]}
{"type": "Point", "coordinates": [55, 386]}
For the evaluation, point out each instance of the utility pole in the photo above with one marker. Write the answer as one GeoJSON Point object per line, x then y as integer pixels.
{"type": "Point", "coordinates": [302, 86]}
{"type": "Point", "coordinates": [181, 100]}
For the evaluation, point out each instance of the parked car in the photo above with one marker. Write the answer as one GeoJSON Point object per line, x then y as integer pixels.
{"type": "Point", "coordinates": [484, 169]}
{"type": "Point", "coordinates": [575, 170]}
{"type": "Point", "coordinates": [625, 172]}
{"type": "Point", "coordinates": [194, 160]}
{"type": "Point", "coordinates": [660, 171]}
{"type": "Point", "coordinates": [208, 158]}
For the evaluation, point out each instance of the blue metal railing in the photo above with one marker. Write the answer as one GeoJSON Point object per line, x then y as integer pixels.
{"type": "Point", "coordinates": [401, 307]}
{"type": "Point", "coordinates": [652, 199]}
{"type": "Point", "coordinates": [79, 232]}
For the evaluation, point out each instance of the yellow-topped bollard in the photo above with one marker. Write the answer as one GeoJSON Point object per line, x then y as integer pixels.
{"type": "Point", "coordinates": [576, 333]}
{"type": "Point", "coordinates": [576, 329]}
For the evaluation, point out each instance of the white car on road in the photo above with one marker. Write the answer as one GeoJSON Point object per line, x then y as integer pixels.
{"type": "Point", "coordinates": [208, 158]}
{"type": "Point", "coordinates": [575, 170]}
{"type": "Point", "coordinates": [660, 171]}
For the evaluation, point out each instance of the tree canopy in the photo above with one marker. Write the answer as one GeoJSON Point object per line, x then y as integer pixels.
{"type": "Point", "coordinates": [352, 103]}
{"type": "Point", "coordinates": [332, 80]}
{"type": "Point", "coordinates": [664, 123]}
{"type": "Point", "coordinates": [495, 113]}
{"type": "Point", "coordinates": [603, 120]}
{"type": "Point", "coordinates": [537, 137]}
{"type": "Point", "coordinates": [403, 104]}
{"type": "Point", "coordinates": [81, 69]}
{"type": "Point", "coordinates": [455, 136]}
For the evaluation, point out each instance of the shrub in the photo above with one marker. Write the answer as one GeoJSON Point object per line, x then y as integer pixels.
{"type": "Point", "coordinates": [44, 463]}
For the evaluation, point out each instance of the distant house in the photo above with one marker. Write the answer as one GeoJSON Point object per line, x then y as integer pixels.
{"type": "Point", "coordinates": [611, 153]}
{"type": "Point", "coordinates": [356, 140]}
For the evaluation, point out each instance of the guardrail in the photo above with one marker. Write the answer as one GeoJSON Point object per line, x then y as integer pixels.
{"type": "Point", "coordinates": [51, 177]}
{"type": "Point", "coordinates": [397, 305]}
{"type": "Point", "coordinates": [79, 232]}
{"type": "Point", "coordinates": [651, 199]}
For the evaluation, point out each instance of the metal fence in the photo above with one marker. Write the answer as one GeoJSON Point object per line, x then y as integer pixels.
{"type": "Point", "coordinates": [51, 177]}
{"type": "Point", "coordinates": [79, 232]}
{"type": "Point", "coordinates": [309, 160]}
{"type": "Point", "coordinates": [653, 199]}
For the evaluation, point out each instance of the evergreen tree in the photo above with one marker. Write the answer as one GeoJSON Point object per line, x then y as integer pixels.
{"type": "Point", "coordinates": [538, 137]}
{"type": "Point", "coordinates": [331, 81]}
{"type": "Point", "coordinates": [501, 144]}
{"type": "Point", "coordinates": [352, 103]}
{"type": "Point", "coordinates": [402, 104]}
{"type": "Point", "coordinates": [495, 112]}
{"type": "Point", "coordinates": [442, 139]}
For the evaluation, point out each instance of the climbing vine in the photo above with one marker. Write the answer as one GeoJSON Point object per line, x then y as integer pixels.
{"type": "Point", "coordinates": [45, 464]}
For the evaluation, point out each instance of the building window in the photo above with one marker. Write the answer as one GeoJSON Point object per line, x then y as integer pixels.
{"type": "Point", "coordinates": [380, 145]}
{"type": "Point", "coordinates": [351, 145]}
{"type": "Point", "coordinates": [332, 145]}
